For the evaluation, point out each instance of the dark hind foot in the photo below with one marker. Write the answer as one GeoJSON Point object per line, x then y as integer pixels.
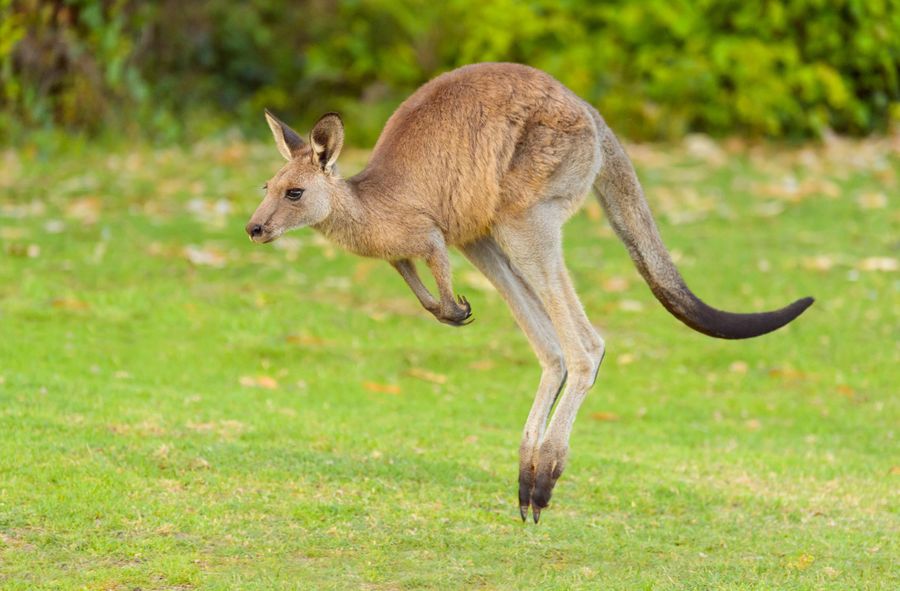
{"type": "Point", "coordinates": [537, 480]}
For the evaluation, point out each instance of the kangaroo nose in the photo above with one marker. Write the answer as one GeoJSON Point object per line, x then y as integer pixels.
{"type": "Point", "coordinates": [254, 230]}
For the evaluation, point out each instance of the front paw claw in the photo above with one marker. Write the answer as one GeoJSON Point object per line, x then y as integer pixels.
{"type": "Point", "coordinates": [460, 315]}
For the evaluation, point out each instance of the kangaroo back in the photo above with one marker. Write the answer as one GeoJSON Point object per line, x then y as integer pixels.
{"type": "Point", "coordinates": [620, 194]}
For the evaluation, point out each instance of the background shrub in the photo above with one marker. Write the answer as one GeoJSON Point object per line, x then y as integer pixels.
{"type": "Point", "coordinates": [655, 68]}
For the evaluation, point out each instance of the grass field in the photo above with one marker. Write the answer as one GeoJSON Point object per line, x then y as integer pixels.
{"type": "Point", "coordinates": [182, 409]}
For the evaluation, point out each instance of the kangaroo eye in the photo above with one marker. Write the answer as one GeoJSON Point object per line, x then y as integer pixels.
{"type": "Point", "coordinates": [293, 194]}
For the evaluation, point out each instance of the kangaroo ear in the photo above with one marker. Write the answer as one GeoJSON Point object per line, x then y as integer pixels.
{"type": "Point", "coordinates": [327, 139]}
{"type": "Point", "coordinates": [288, 141]}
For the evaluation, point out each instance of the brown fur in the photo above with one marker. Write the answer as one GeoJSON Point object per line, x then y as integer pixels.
{"type": "Point", "coordinates": [493, 159]}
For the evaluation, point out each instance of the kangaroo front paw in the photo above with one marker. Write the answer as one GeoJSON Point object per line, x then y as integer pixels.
{"type": "Point", "coordinates": [457, 313]}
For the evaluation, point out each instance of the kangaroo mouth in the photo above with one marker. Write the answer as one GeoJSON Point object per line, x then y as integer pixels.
{"type": "Point", "coordinates": [266, 237]}
{"type": "Point", "coordinates": [261, 234]}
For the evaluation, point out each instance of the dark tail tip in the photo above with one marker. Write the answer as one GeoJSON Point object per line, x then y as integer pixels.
{"type": "Point", "coordinates": [802, 304]}
{"type": "Point", "coordinates": [793, 310]}
{"type": "Point", "coordinates": [726, 325]}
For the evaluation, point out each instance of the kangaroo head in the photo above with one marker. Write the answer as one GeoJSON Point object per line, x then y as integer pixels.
{"type": "Point", "coordinates": [302, 192]}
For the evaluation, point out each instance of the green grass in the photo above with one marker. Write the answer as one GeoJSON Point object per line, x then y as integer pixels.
{"type": "Point", "coordinates": [288, 418]}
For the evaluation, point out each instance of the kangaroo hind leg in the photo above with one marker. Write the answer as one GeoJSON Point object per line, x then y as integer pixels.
{"type": "Point", "coordinates": [531, 317]}
{"type": "Point", "coordinates": [533, 244]}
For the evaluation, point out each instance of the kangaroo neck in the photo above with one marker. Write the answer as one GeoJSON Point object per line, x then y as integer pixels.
{"type": "Point", "coordinates": [348, 223]}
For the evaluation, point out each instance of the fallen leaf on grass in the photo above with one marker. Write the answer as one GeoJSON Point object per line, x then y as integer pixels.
{"type": "Point", "coordinates": [603, 416]}
{"type": "Point", "coordinates": [886, 264]}
{"type": "Point", "coordinates": [649, 156]}
{"type": "Point", "coordinates": [786, 373]}
{"type": "Point", "coordinates": [428, 376]}
{"type": "Point", "coordinates": [705, 148]}
{"type": "Point", "coordinates": [593, 211]}
{"type": "Point", "coordinates": [199, 463]}
{"type": "Point", "coordinates": [86, 210]}
{"type": "Point", "coordinates": [624, 359]}
{"type": "Point", "coordinates": [305, 340]}
{"type": "Point", "coordinates": [13, 233]}
{"type": "Point", "coordinates": [34, 208]}
{"type": "Point", "coordinates": [231, 154]}
{"type": "Point", "coordinates": [12, 541]}
{"type": "Point", "coordinates": [615, 284]}
{"type": "Point", "coordinates": [381, 388]}
{"type": "Point", "coordinates": [362, 270]}
{"type": "Point", "coordinates": [738, 367]}
{"type": "Point", "coordinates": [162, 452]}
{"type": "Point", "coordinates": [845, 390]}
{"type": "Point", "coordinates": [31, 251]}
{"type": "Point", "coordinates": [214, 213]}
{"type": "Point", "coordinates": [682, 204]}
{"type": "Point", "coordinates": [872, 201]}
{"type": "Point", "coordinates": [71, 304]}
{"type": "Point", "coordinates": [147, 427]}
{"type": "Point", "coordinates": [157, 249]}
{"type": "Point", "coordinates": [477, 281]}
{"type": "Point", "coordinates": [802, 562]}
{"type": "Point", "coordinates": [327, 248]}
{"type": "Point", "coordinates": [54, 226]}
{"type": "Point", "coordinates": [226, 428]}
{"type": "Point", "coordinates": [822, 262]}
{"type": "Point", "coordinates": [630, 306]}
{"type": "Point", "coordinates": [768, 209]}
{"type": "Point", "coordinates": [792, 190]}
{"type": "Point", "coordinates": [207, 257]}
{"type": "Point", "coordinates": [267, 382]}
{"type": "Point", "coordinates": [482, 365]}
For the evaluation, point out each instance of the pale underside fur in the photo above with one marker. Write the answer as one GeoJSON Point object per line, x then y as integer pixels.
{"type": "Point", "coordinates": [493, 159]}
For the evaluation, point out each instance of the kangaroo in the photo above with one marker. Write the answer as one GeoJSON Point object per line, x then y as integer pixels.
{"type": "Point", "coordinates": [492, 159]}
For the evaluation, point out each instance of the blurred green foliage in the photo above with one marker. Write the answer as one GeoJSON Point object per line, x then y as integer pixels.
{"type": "Point", "coordinates": [654, 68]}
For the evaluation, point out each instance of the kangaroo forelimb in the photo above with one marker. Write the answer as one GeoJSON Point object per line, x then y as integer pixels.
{"type": "Point", "coordinates": [447, 310]}
{"type": "Point", "coordinates": [454, 311]}
{"type": "Point", "coordinates": [407, 270]}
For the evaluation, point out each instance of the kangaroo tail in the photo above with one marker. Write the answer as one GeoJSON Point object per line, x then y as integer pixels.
{"type": "Point", "coordinates": [620, 194]}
